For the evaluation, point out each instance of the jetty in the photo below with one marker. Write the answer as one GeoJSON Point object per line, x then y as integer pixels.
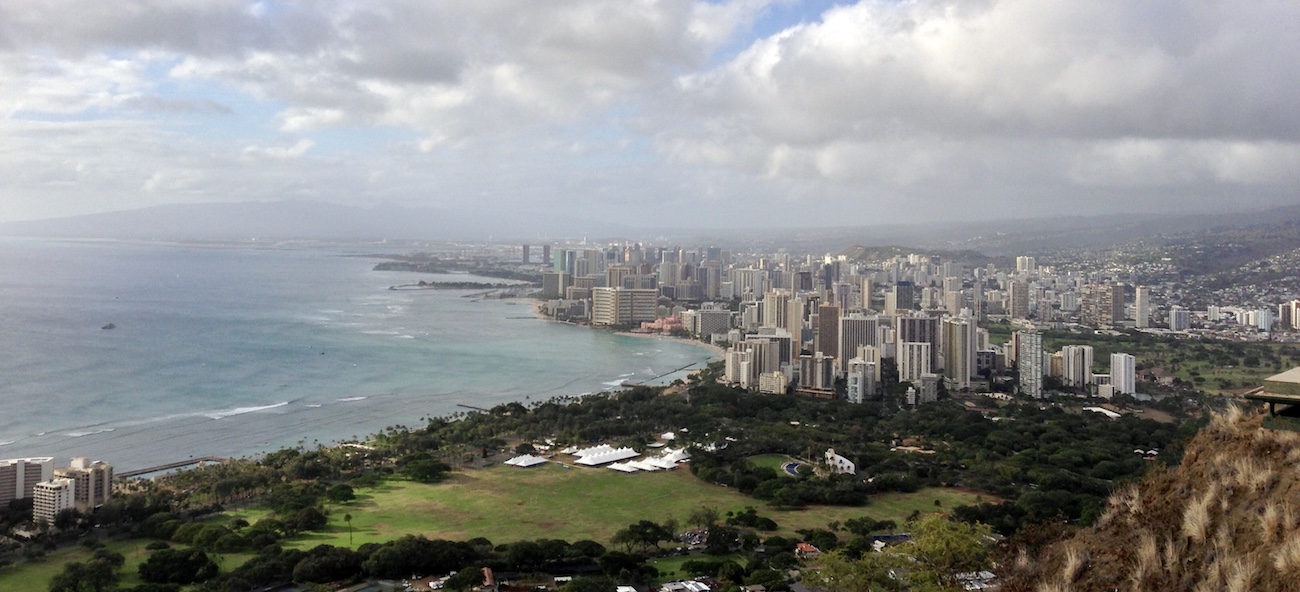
{"type": "Point", "coordinates": [170, 466]}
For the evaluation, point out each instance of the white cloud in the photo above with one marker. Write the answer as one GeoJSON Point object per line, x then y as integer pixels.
{"type": "Point", "coordinates": [971, 107]}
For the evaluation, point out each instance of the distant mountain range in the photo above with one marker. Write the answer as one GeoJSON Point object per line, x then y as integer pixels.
{"type": "Point", "coordinates": [288, 220]}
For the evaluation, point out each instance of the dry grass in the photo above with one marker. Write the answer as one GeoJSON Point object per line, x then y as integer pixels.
{"type": "Point", "coordinates": [1226, 519]}
{"type": "Point", "coordinates": [1196, 518]}
{"type": "Point", "coordinates": [1076, 557]}
{"type": "Point", "coordinates": [1286, 557]}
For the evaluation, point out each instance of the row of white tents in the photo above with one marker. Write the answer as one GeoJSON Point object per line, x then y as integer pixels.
{"type": "Point", "coordinates": [612, 457]}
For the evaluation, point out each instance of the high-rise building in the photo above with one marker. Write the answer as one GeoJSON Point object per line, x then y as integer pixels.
{"type": "Point", "coordinates": [920, 329]}
{"type": "Point", "coordinates": [1103, 304]}
{"type": "Point", "coordinates": [554, 284]}
{"type": "Point", "coordinates": [94, 482]}
{"type": "Point", "coordinates": [861, 380]}
{"type": "Point", "coordinates": [19, 476]}
{"type": "Point", "coordinates": [817, 371]}
{"type": "Point", "coordinates": [1029, 359]}
{"type": "Point", "coordinates": [546, 254]}
{"type": "Point", "coordinates": [828, 331]}
{"type": "Point", "coordinates": [526, 259]}
{"type": "Point", "coordinates": [913, 360]}
{"type": "Point", "coordinates": [1076, 370]}
{"type": "Point", "coordinates": [776, 307]}
{"type": "Point", "coordinates": [1018, 300]}
{"type": "Point", "coordinates": [902, 297]}
{"type": "Point", "coordinates": [52, 497]}
{"type": "Point", "coordinates": [1122, 374]}
{"type": "Point", "coordinates": [866, 287]}
{"type": "Point", "coordinates": [1026, 265]}
{"type": "Point", "coordinates": [959, 352]}
{"type": "Point", "coordinates": [1142, 307]}
{"type": "Point", "coordinates": [1180, 319]}
{"type": "Point", "coordinates": [856, 330]}
{"type": "Point", "coordinates": [614, 307]}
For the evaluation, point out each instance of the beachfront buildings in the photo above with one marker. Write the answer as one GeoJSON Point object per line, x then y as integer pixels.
{"type": "Point", "coordinates": [614, 307]}
{"type": "Point", "coordinates": [19, 476]}
{"type": "Point", "coordinates": [94, 482]}
{"type": "Point", "coordinates": [52, 497]}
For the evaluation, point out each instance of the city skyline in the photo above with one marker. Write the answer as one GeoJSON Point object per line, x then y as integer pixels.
{"type": "Point", "coordinates": [804, 112]}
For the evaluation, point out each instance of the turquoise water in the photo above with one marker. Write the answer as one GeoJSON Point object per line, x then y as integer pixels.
{"type": "Point", "coordinates": [232, 351]}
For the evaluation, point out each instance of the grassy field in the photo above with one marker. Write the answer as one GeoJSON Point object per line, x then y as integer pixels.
{"type": "Point", "coordinates": [670, 568]}
{"type": "Point", "coordinates": [35, 576]}
{"type": "Point", "coordinates": [507, 504]}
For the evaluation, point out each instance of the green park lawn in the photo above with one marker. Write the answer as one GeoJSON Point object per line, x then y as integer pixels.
{"type": "Point", "coordinates": [774, 462]}
{"type": "Point", "coordinates": [35, 576]}
{"type": "Point", "coordinates": [506, 504]}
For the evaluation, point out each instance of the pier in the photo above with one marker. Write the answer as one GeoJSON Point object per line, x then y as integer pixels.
{"type": "Point", "coordinates": [170, 466]}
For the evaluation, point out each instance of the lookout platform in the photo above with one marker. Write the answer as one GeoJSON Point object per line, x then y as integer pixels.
{"type": "Point", "coordinates": [1281, 388]}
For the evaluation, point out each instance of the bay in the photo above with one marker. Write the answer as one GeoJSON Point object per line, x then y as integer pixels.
{"type": "Point", "coordinates": [232, 351]}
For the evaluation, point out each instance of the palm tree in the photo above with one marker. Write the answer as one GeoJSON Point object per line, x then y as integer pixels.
{"type": "Point", "coordinates": [348, 518]}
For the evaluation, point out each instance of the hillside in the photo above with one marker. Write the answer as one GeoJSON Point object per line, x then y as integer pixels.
{"type": "Point", "coordinates": [1227, 518]}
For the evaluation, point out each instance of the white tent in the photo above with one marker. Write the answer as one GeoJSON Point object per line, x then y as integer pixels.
{"type": "Point", "coordinates": [622, 468]}
{"type": "Point", "coordinates": [606, 456]}
{"type": "Point", "coordinates": [526, 461]}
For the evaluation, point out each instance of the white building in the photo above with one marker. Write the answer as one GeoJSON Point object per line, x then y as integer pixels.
{"type": "Point", "coordinates": [52, 497]}
{"type": "Point", "coordinates": [1122, 374]}
{"type": "Point", "coordinates": [838, 464]}
{"type": "Point", "coordinates": [861, 382]}
{"type": "Point", "coordinates": [1142, 307]}
{"type": "Point", "coordinates": [1076, 368]}
{"type": "Point", "coordinates": [913, 360]}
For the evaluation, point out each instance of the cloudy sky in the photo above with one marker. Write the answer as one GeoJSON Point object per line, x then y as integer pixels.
{"type": "Point", "coordinates": [759, 112]}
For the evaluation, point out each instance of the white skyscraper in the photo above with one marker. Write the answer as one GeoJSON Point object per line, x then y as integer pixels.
{"type": "Point", "coordinates": [1076, 368]}
{"type": "Point", "coordinates": [1122, 375]}
{"type": "Point", "coordinates": [958, 352]}
{"type": "Point", "coordinates": [1142, 307]}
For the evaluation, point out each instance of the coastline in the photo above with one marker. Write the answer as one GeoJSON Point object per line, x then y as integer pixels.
{"type": "Point", "coordinates": [719, 353]}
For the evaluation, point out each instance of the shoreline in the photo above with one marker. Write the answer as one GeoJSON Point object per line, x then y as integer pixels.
{"type": "Point", "coordinates": [718, 353]}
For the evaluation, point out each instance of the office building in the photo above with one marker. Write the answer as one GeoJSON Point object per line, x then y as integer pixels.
{"type": "Point", "coordinates": [1103, 304]}
{"type": "Point", "coordinates": [828, 331]}
{"type": "Point", "coordinates": [19, 476]}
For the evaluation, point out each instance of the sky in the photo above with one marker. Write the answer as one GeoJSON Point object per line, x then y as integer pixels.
{"type": "Point", "coordinates": [763, 113]}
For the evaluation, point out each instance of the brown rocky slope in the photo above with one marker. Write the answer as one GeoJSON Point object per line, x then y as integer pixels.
{"type": "Point", "coordinates": [1227, 518]}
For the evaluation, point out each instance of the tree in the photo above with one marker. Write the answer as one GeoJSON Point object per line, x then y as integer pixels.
{"type": "Point", "coordinates": [348, 519]}
{"type": "Point", "coordinates": [703, 517]}
{"type": "Point", "coordinates": [939, 550]}
{"type": "Point", "coordinates": [175, 566]}
{"type": "Point", "coordinates": [341, 493]}
{"type": "Point", "coordinates": [97, 575]}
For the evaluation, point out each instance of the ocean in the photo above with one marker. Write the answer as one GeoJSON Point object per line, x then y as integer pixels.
{"type": "Point", "coordinates": [232, 351]}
